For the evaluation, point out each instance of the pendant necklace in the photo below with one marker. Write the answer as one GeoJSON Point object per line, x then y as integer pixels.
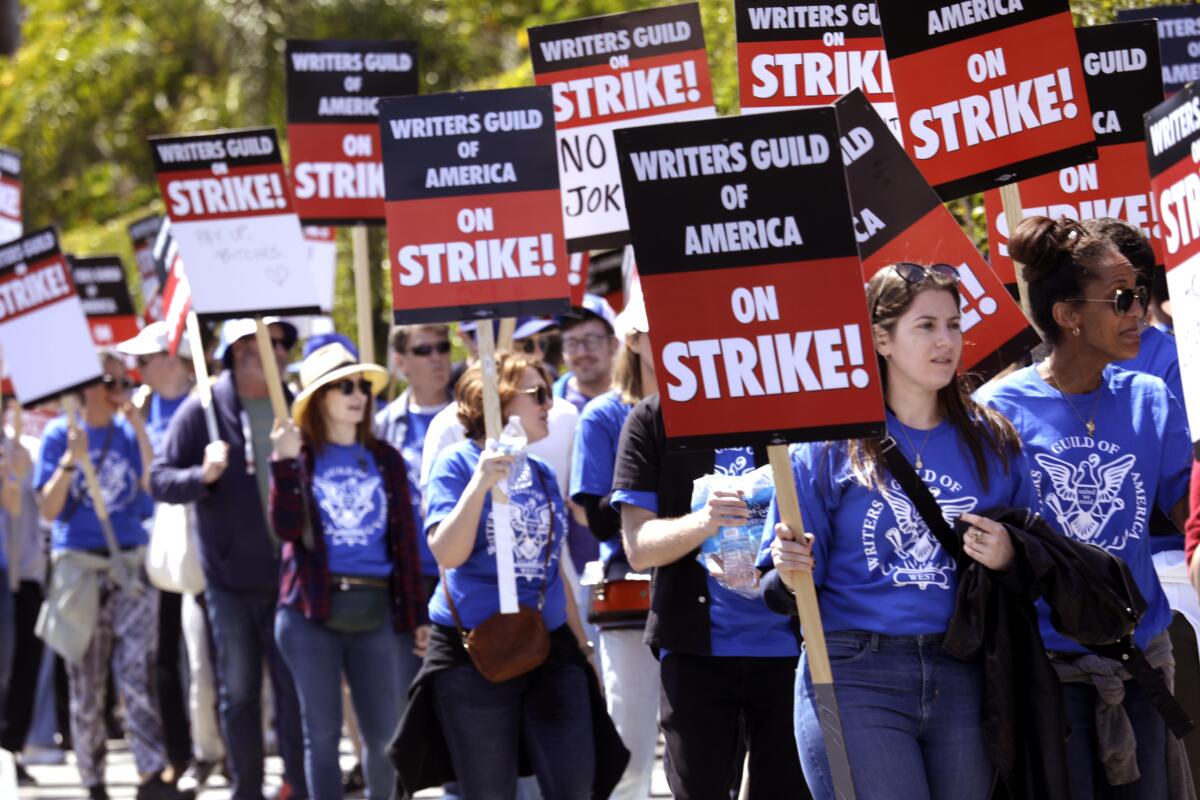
{"type": "Point", "coordinates": [917, 461]}
{"type": "Point", "coordinates": [1090, 423]}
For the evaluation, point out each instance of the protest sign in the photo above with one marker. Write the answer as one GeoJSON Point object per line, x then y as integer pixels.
{"type": "Point", "coordinates": [810, 54]}
{"type": "Point", "coordinates": [615, 71]}
{"type": "Point", "coordinates": [988, 92]}
{"type": "Point", "coordinates": [1121, 73]}
{"type": "Point", "coordinates": [333, 92]}
{"type": "Point", "coordinates": [38, 303]}
{"type": "Point", "coordinates": [474, 220]}
{"type": "Point", "coordinates": [232, 218]}
{"type": "Point", "coordinates": [101, 284]}
{"type": "Point", "coordinates": [1178, 38]}
{"type": "Point", "coordinates": [577, 278]}
{"type": "Point", "coordinates": [898, 217]}
{"type": "Point", "coordinates": [1173, 145]}
{"type": "Point", "coordinates": [321, 244]}
{"type": "Point", "coordinates": [177, 306]}
{"type": "Point", "coordinates": [11, 226]}
{"type": "Point", "coordinates": [143, 233]}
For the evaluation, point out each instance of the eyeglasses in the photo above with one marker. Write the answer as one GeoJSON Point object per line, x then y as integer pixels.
{"type": "Point", "coordinates": [286, 342]}
{"type": "Point", "coordinates": [916, 273]}
{"type": "Point", "coordinates": [114, 384]}
{"type": "Point", "coordinates": [347, 386]}
{"type": "Point", "coordinates": [1122, 300]}
{"type": "Point", "coordinates": [539, 393]}
{"type": "Point", "coordinates": [423, 350]}
{"type": "Point", "coordinates": [544, 344]}
{"type": "Point", "coordinates": [588, 342]}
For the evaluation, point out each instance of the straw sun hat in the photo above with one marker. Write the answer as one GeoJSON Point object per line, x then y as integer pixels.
{"type": "Point", "coordinates": [330, 364]}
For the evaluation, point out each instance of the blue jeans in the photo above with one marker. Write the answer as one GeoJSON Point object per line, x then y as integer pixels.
{"type": "Point", "coordinates": [547, 711]}
{"type": "Point", "coordinates": [911, 719]}
{"type": "Point", "coordinates": [379, 665]}
{"type": "Point", "coordinates": [243, 634]}
{"type": "Point", "coordinates": [1087, 773]}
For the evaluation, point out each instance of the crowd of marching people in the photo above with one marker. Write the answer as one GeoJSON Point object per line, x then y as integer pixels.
{"type": "Point", "coordinates": [1003, 579]}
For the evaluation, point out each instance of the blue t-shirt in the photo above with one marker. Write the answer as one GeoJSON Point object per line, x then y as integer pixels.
{"type": "Point", "coordinates": [738, 625]}
{"type": "Point", "coordinates": [595, 454]}
{"type": "Point", "coordinates": [77, 527]}
{"type": "Point", "coordinates": [536, 510]}
{"type": "Point", "coordinates": [158, 417]}
{"type": "Point", "coordinates": [1100, 489]}
{"type": "Point", "coordinates": [1158, 355]}
{"type": "Point", "coordinates": [878, 565]}
{"type": "Point", "coordinates": [411, 448]}
{"type": "Point", "coordinates": [353, 505]}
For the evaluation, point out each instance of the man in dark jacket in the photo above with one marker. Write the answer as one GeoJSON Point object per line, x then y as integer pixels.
{"type": "Point", "coordinates": [228, 481]}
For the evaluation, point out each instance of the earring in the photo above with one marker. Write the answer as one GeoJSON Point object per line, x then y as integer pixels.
{"type": "Point", "coordinates": [1075, 331]}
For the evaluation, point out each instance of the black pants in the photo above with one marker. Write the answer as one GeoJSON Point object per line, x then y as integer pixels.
{"type": "Point", "coordinates": [701, 702]}
{"type": "Point", "coordinates": [27, 657]}
{"type": "Point", "coordinates": [171, 696]}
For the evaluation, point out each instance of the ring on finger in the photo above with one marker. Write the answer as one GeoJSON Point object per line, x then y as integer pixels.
{"type": "Point", "coordinates": [978, 536]}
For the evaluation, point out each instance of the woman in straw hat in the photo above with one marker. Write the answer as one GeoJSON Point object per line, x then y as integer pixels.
{"type": "Point", "coordinates": [350, 598]}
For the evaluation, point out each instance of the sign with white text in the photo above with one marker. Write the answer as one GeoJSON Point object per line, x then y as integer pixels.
{"type": "Point", "coordinates": [753, 290]}
{"type": "Point", "coordinates": [143, 233]}
{"type": "Point", "coordinates": [612, 72]}
{"type": "Point", "coordinates": [1179, 41]}
{"type": "Point", "coordinates": [333, 93]}
{"type": "Point", "coordinates": [104, 292]}
{"type": "Point", "coordinates": [11, 225]}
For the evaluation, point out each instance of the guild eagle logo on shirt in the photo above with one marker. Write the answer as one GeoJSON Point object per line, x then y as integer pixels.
{"type": "Point", "coordinates": [530, 517]}
{"type": "Point", "coordinates": [1085, 495]}
{"type": "Point", "coordinates": [916, 558]}
{"type": "Point", "coordinates": [118, 484]}
{"type": "Point", "coordinates": [348, 496]}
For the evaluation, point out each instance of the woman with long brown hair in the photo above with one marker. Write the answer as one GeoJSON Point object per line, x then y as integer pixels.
{"type": "Point", "coordinates": [911, 713]}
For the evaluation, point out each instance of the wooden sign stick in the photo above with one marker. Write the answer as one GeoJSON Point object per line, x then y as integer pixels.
{"type": "Point", "coordinates": [362, 293]}
{"type": "Point", "coordinates": [814, 632]}
{"type": "Point", "coordinates": [200, 366]}
{"type": "Point", "coordinates": [508, 326]}
{"type": "Point", "coordinates": [266, 352]}
{"type": "Point", "coordinates": [1014, 213]}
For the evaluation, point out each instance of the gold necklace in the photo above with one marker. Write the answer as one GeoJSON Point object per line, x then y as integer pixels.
{"type": "Point", "coordinates": [1090, 424]}
{"type": "Point", "coordinates": [916, 462]}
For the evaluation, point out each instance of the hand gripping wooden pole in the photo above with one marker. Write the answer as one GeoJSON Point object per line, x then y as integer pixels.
{"type": "Point", "coordinates": [203, 385]}
{"type": "Point", "coordinates": [266, 352]}
{"type": "Point", "coordinates": [362, 294]}
{"type": "Point", "coordinates": [1014, 213]}
{"type": "Point", "coordinates": [814, 633]}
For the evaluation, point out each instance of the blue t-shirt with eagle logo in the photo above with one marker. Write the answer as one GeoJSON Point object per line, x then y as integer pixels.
{"type": "Point", "coordinates": [1100, 488]}
{"type": "Point", "coordinates": [879, 567]}
{"type": "Point", "coordinates": [353, 505]}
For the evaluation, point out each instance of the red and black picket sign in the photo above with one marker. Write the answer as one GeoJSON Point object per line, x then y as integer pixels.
{"type": "Point", "coordinates": [988, 92]}
{"type": "Point", "coordinates": [1122, 74]}
{"type": "Point", "coordinates": [11, 225]}
{"type": "Point", "coordinates": [176, 304]}
{"type": "Point", "coordinates": [38, 303]}
{"type": "Point", "coordinates": [104, 291]}
{"type": "Point", "coordinates": [616, 70]}
{"type": "Point", "coordinates": [811, 53]}
{"type": "Point", "coordinates": [333, 93]}
{"type": "Point", "coordinates": [753, 290]}
{"type": "Point", "coordinates": [142, 233]}
{"type": "Point", "coordinates": [898, 217]}
{"type": "Point", "coordinates": [1179, 41]}
{"type": "Point", "coordinates": [233, 221]}
{"type": "Point", "coordinates": [474, 221]}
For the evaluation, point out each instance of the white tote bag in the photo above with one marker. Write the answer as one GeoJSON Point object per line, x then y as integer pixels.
{"type": "Point", "coordinates": [173, 557]}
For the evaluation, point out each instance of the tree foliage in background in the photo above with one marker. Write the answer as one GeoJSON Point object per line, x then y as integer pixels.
{"type": "Point", "coordinates": [94, 78]}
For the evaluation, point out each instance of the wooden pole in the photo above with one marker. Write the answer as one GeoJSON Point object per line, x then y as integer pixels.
{"type": "Point", "coordinates": [200, 366]}
{"type": "Point", "coordinates": [266, 352]}
{"type": "Point", "coordinates": [362, 294]}
{"type": "Point", "coordinates": [1014, 213]}
{"type": "Point", "coordinates": [508, 326]}
{"type": "Point", "coordinates": [814, 632]}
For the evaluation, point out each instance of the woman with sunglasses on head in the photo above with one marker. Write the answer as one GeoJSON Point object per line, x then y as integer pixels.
{"type": "Point", "coordinates": [124, 636]}
{"type": "Point", "coordinates": [545, 716]}
{"type": "Point", "coordinates": [1104, 445]}
{"type": "Point", "coordinates": [910, 712]}
{"type": "Point", "coordinates": [350, 598]}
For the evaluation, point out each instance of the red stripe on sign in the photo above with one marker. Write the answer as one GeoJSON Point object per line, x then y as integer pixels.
{"type": "Point", "coordinates": [993, 100]}
{"type": "Point", "coordinates": [108, 330]}
{"type": "Point", "coordinates": [24, 291]}
{"type": "Point", "coordinates": [10, 199]}
{"type": "Point", "coordinates": [771, 347]}
{"type": "Point", "coordinates": [241, 192]}
{"type": "Point", "coordinates": [477, 250]}
{"type": "Point", "coordinates": [806, 72]}
{"type": "Point", "coordinates": [1177, 193]}
{"type": "Point", "coordinates": [1115, 185]}
{"type": "Point", "coordinates": [336, 171]}
{"type": "Point", "coordinates": [643, 87]}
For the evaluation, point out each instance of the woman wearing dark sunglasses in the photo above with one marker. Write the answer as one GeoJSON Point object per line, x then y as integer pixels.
{"type": "Point", "coordinates": [911, 713]}
{"type": "Point", "coordinates": [350, 598]}
{"type": "Point", "coordinates": [1105, 446]}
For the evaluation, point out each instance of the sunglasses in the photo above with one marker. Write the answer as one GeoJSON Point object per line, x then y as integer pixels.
{"type": "Point", "coordinates": [143, 361]}
{"type": "Point", "coordinates": [1122, 300]}
{"type": "Point", "coordinates": [544, 344]}
{"type": "Point", "coordinates": [423, 350]}
{"type": "Point", "coordinates": [115, 384]}
{"type": "Point", "coordinates": [914, 274]}
{"type": "Point", "coordinates": [539, 393]}
{"type": "Point", "coordinates": [286, 342]}
{"type": "Point", "coordinates": [347, 386]}
{"type": "Point", "coordinates": [588, 343]}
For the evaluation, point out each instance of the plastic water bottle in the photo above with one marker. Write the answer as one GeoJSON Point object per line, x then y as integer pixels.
{"type": "Point", "coordinates": [513, 442]}
{"type": "Point", "coordinates": [737, 559]}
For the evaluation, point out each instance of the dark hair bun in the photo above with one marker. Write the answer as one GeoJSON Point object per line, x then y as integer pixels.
{"type": "Point", "coordinates": [1041, 245]}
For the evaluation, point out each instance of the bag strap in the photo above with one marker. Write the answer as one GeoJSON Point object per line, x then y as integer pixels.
{"type": "Point", "coordinates": [546, 563]}
{"type": "Point", "coordinates": [922, 498]}
{"type": "Point", "coordinates": [77, 500]}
